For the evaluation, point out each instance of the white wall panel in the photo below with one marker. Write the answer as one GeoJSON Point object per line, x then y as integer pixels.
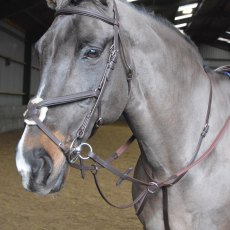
{"type": "Point", "coordinates": [11, 42]}
{"type": "Point", "coordinates": [11, 80]}
{"type": "Point", "coordinates": [11, 73]}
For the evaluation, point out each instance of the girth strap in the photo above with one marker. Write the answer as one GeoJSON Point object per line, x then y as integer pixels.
{"type": "Point", "coordinates": [165, 207]}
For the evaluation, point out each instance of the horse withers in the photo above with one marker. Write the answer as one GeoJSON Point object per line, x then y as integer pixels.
{"type": "Point", "coordinates": [96, 65]}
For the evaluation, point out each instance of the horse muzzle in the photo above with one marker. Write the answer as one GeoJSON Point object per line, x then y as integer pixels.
{"type": "Point", "coordinates": [38, 172]}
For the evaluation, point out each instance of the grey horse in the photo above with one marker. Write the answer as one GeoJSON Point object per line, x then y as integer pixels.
{"type": "Point", "coordinates": [165, 107]}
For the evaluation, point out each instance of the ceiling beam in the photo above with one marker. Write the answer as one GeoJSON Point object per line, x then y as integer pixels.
{"type": "Point", "coordinates": [159, 5]}
{"type": "Point", "coordinates": [211, 21]}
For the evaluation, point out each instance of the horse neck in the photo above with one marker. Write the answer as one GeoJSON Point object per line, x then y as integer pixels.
{"type": "Point", "coordinates": [169, 94]}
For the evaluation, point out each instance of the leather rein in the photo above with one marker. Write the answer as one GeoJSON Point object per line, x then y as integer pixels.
{"type": "Point", "coordinates": [37, 109]}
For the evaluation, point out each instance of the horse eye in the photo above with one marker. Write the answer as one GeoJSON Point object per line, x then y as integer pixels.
{"type": "Point", "coordinates": [92, 53]}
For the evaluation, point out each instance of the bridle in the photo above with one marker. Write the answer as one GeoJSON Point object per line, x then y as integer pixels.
{"type": "Point", "coordinates": [38, 108]}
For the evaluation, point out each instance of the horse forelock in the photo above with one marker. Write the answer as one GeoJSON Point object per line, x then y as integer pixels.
{"type": "Point", "coordinates": [59, 4]}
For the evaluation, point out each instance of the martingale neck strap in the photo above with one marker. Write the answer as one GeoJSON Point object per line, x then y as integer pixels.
{"type": "Point", "coordinates": [149, 188]}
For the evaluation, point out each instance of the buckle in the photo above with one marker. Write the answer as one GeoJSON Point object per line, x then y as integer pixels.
{"type": "Point", "coordinates": [129, 73]}
{"type": "Point", "coordinates": [99, 122]}
{"type": "Point", "coordinates": [73, 156]}
{"type": "Point", "coordinates": [205, 130]}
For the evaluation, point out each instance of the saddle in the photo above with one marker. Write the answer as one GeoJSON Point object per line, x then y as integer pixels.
{"type": "Point", "coordinates": [224, 70]}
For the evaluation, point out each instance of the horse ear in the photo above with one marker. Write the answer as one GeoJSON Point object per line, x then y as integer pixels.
{"type": "Point", "coordinates": [52, 4]}
{"type": "Point", "coordinates": [57, 4]}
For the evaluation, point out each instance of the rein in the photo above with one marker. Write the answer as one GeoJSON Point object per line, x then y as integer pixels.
{"type": "Point", "coordinates": [37, 109]}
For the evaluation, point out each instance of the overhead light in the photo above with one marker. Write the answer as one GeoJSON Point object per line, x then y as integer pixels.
{"type": "Point", "coordinates": [183, 17]}
{"type": "Point", "coordinates": [223, 40]}
{"type": "Point", "coordinates": [187, 9]}
{"type": "Point", "coordinates": [181, 25]}
{"type": "Point", "coordinates": [228, 32]}
{"type": "Point", "coordinates": [132, 0]}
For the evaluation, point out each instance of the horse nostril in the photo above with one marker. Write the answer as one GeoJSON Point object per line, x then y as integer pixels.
{"type": "Point", "coordinates": [48, 165]}
{"type": "Point", "coordinates": [42, 166]}
{"type": "Point", "coordinates": [37, 165]}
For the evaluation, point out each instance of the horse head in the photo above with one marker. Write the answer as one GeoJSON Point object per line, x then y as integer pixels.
{"type": "Point", "coordinates": [77, 61]}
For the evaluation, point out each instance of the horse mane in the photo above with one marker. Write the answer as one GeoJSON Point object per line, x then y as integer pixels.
{"type": "Point", "coordinates": [167, 23]}
{"type": "Point", "coordinates": [152, 18]}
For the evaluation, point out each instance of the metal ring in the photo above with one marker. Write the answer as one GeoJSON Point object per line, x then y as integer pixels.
{"type": "Point", "coordinates": [153, 187]}
{"type": "Point", "coordinates": [79, 148]}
